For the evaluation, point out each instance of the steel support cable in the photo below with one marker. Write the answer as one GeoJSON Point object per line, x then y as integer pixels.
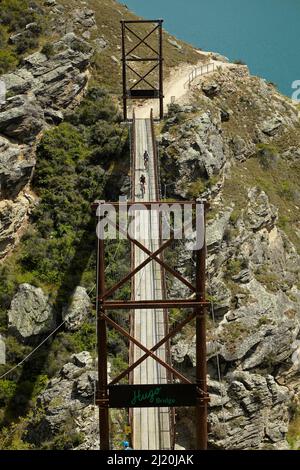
{"type": "Point", "coordinates": [33, 351]}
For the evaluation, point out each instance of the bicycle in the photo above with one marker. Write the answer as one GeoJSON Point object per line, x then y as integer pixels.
{"type": "Point", "coordinates": [146, 160]}
{"type": "Point", "coordinates": [143, 189]}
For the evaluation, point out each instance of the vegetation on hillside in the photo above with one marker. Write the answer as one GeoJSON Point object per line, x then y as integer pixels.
{"type": "Point", "coordinates": [15, 39]}
{"type": "Point", "coordinates": [57, 253]}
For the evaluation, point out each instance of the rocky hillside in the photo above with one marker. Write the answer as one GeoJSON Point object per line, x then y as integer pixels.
{"type": "Point", "coordinates": [61, 147]}
{"type": "Point", "coordinates": [234, 140]}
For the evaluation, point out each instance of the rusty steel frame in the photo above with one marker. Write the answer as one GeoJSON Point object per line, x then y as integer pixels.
{"type": "Point", "coordinates": [127, 58]}
{"type": "Point", "coordinates": [199, 305]}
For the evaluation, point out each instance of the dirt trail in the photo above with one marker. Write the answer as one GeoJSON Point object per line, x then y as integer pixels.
{"type": "Point", "coordinates": [176, 87]}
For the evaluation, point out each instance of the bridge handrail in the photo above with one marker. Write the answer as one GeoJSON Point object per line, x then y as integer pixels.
{"type": "Point", "coordinates": [199, 71]}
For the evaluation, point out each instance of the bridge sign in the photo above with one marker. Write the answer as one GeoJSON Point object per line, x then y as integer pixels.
{"type": "Point", "coordinates": [149, 396]}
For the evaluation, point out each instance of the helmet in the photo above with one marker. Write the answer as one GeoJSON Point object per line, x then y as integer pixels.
{"type": "Point", "coordinates": [125, 444]}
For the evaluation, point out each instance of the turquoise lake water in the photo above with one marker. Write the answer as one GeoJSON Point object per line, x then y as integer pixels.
{"type": "Point", "coordinates": [263, 33]}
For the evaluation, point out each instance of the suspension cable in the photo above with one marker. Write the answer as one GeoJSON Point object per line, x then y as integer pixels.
{"type": "Point", "coordinates": [33, 351]}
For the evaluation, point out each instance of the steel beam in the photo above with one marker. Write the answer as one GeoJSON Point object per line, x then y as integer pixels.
{"type": "Point", "coordinates": [201, 365]}
{"type": "Point", "coordinates": [144, 304]}
{"type": "Point", "coordinates": [102, 354]}
{"type": "Point", "coordinates": [127, 57]}
{"type": "Point", "coordinates": [148, 351]}
{"type": "Point", "coordinates": [147, 205]}
{"type": "Point", "coordinates": [170, 334]}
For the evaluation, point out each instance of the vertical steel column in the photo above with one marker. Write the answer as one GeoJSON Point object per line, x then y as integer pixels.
{"type": "Point", "coordinates": [102, 351]}
{"type": "Point", "coordinates": [161, 79]}
{"type": "Point", "coordinates": [201, 366]}
{"type": "Point", "coordinates": [124, 72]}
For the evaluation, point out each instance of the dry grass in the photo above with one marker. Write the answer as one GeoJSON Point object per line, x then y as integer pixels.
{"type": "Point", "coordinates": [108, 14]}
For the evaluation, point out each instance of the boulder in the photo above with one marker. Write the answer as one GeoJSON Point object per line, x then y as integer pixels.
{"type": "Point", "coordinates": [254, 414]}
{"type": "Point", "coordinates": [271, 126]}
{"type": "Point", "coordinates": [21, 117]}
{"type": "Point", "coordinates": [83, 359]}
{"type": "Point", "coordinates": [78, 310]}
{"type": "Point", "coordinates": [201, 151]}
{"type": "Point", "coordinates": [175, 44]}
{"type": "Point", "coordinates": [216, 230]}
{"type": "Point", "coordinates": [15, 170]}
{"type": "Point", "coordinates": [260, 213]}
{"type": "Point", "coordinates": [84, 17]}
{"type": "Point", "coordinates": [100, 44]}
{"type": "Point", "coordinates": [260, 332]}
{"type": "Point", "coordinates": [13, 215]}
{"type": "Point", "coordinates": [68, 403]}
{"type": "Point", "coordinates": [211, 89]}
{"type": "Point", "coordinates": [18, 82]}
{"type": "Point", "coordinates": [30, 314]}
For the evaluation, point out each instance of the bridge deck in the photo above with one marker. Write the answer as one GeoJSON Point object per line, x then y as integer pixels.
{"type": "Point", "coordinates": [151, 426]}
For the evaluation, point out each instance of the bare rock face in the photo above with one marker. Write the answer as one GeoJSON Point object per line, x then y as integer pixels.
{"type": "Point", "coordinates": [21, 118]}
{"type": "Point", "coordinates": [249, 412]}
{"type": "Point", "coordinates": [30, 314]}
{"type": "Point", "coordinates": [253, 345]}
{"type": "Point", "coordinates": [15, 168]}
{"type": "Point", "coordinates": [246, 411]}
{"type": "Point", "coordinates": [68, 403]}
{"type": "Point", "coordinates": [51, 82]}
{"type": "Point", "coordinates": [211, 89]}
{"type": "Point", "coordinates": [78, 310]}
{"type": "Point", "coordinates": [13, 214]}
{"type": "Point", "coordinates": [271, 126]}
{"type": "Point", "coordinates": [199, 150]}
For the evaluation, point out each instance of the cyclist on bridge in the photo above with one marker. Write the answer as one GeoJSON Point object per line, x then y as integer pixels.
{"type": "Point", "coordinates": [146, 159]}
{"type": "Point", "coordinates": [143, 184]}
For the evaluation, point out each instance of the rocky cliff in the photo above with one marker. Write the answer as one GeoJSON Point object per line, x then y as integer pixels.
{"type": "Point", "coordinates": [236, 142]}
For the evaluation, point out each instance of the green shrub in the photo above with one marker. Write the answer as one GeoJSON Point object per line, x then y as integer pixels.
{"type": "Point", "coordinates": [234, 216]}
{"type": "Point", "coordinates": [48, 49]}
{"type": "Point", "coordinates": [267, 155]}
{"type": "Point", "coordinates": [8, 60]}
{"type": "Point", "coordinates": [286, 191]}
{"type": "Point", "coordinates": [58, 250]}
{"type": "Point", "coordinates": [16, 14]}
{"type": "Point", "coordinates": [233, 267]}
{"type": "Point", "coordinates": [196, 188]}
{"type": "Point", "coordinates": [7, 391]}
{"type": "Point", "coordinates": [26, 43]}
{"type": "Point", "coordinates": [239, 62]}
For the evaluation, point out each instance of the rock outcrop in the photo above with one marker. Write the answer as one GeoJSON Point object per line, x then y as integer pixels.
{"type": "Point", "coordinates": [68, 404]}
{"type": "Point", "coordinates": [39, 91]}
{"type": "Point", "coordinates": [13, 215]}
{"type": "Point", "coordinates": [253, 266]}
{"type": "Point", "coordinates": [198, 152]}
{"type": "Point", "coordinates": [78, 310]}
{"type": "Point", "coordinates": [30, 314]}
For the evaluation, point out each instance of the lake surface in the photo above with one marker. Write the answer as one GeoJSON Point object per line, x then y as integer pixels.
{"type": "Point", "coordinates": [263, 33]}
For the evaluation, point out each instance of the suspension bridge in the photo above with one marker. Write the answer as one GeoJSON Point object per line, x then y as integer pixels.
{"type": "Point", "coordinates": [155, 388]}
